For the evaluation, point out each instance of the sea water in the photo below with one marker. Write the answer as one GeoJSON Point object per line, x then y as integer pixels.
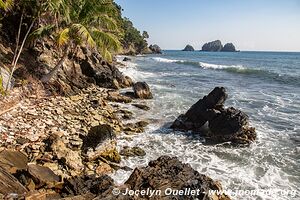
{"type": "Point", "coordinates": [265, 85]}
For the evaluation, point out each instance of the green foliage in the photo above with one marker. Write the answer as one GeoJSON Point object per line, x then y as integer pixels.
{"type": "Point", "coordinates": [6, 4]}
{"type": "Point", "coordinates": [2, 90]}
{"type": "Point", "coordinates": [133, 37]}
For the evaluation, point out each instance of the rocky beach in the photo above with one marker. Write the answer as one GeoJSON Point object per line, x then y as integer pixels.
{"type": "Point", "coordinates": [94, 108]}
{"type": "Point", "coordinates": [55, 147]}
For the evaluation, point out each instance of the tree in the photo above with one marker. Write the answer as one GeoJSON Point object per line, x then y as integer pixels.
{"type": "Point", "coordinates": [88, 22]}
{"type": "Point", "coordinates": [145, 35]}
{"type": "Point", "coordinates": [6, 5]}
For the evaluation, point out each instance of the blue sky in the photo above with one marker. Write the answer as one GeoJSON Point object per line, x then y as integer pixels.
{"type": "Point", "coordinates": [250, 24]}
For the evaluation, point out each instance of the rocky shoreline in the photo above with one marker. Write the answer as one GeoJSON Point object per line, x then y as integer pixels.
{"type": "Point", "coordinates": [55, 147]}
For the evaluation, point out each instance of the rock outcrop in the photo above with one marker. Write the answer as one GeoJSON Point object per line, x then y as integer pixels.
{"type": "Point", "coordinates": [229, 47]}
{"type": "Point", "coordinates": [217, 46]}
{"type": "Point", "coordinates": [142, 90]}
{"type": "Point", "coordinates": [167, 172]}
{"type": "Point", "coordinates": [225, 124]}
{"type": "Point", "coordinates": [188, 48]}
{"type": "Point", "coordinates": [155, 49]}
{"type": "Point", "coordinates": [212, 46]}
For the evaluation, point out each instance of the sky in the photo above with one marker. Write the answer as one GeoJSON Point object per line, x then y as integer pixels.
{"type": "Point", "coordinates": [254, 25]}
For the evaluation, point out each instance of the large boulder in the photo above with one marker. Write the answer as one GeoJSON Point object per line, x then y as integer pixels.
{"type": "Point", "coordinates": [202, 111]}
{"type": "Point", "coordinates": [229, 47]}
{"type": "Point", "coordinates": [188, 48]}
{"type": "Point", "coordinates": [100, 143]}
{"type": "Point", "coordinates": [104, 74]}
{"type": "Point", "coordinates": [155, 49]}
{"type": "Point", "coordinates": [142, 90]}
{"type": "Point", "coordinates": [225, 124]}
{"type": "Point", "coordinates": [212, 46]}
{"type": "Point", "coordinates": [168, 174]}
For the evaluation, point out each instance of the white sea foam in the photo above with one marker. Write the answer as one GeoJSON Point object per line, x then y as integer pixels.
{"type": "Point", "coordinates": [165, 60]}
{"type": "Point", "coordinates": [215, 66]}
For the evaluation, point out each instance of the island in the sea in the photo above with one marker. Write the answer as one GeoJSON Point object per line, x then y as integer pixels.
{"type": "Point", "coordinates": [188, 48]}
{"type": "Point", "coordinates": [217, 46]}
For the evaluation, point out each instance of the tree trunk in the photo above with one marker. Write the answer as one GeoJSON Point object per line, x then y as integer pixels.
{"type": "Point", "coordinates": [19, 54]}
{"type": "Point", "coordinates": [46, 78]}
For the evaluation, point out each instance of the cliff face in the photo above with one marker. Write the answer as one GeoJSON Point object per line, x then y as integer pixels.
{"type": "Point", "coordinates": [217, 46]}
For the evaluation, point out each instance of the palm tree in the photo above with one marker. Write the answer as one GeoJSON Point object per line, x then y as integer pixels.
{"type": "Point", "coordinates": [88, 22]}
{"type": "Point", "coordinates": [6, 5]}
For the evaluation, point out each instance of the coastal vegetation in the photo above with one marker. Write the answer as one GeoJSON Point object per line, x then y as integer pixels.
{"type": "Point", "coordinates": [65, 26]}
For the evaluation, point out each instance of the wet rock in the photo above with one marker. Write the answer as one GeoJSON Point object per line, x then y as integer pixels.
{"type": "Point", "coordinates": [137, 127]}
{"type": "Point", "coordinates": [225, 124]}
{"type": "Point", "coordinates": [132, 151]}
{"type": "Point", "coordinates": [202, 111]}
{"type": "Point", "coordinates": [116, 97]}
{"type": "Point", "coordinates": [142, 90]}
{"type": "Point", "coordinates": [12, 160]}
{"type": "Point", "coordinates": [141, 106]}
{"type": "Point", "coordinates": [126, 59]}
{"type": "Point", "coordinates": [228, 121]}
{"type": "Point", "coordinates": [43, 175]}
{"type": "Point", "coordinates": [167, 172]}
{"type": "Point", "coordinates": [9, 184]}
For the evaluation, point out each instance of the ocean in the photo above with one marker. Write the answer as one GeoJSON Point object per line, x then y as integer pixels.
{"type": "Point", "coordinates": [265, 85]}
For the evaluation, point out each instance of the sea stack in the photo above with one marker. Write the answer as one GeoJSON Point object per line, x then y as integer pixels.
{"type": "Point", "coordinates": [225, 124]}
{"type": "Point", "coordinates": [188, 48]}
{"type": "Point", "coordinates": [229, 47]}
{"type": "Point", "coordinates": [216, 46]}
{"type": "Point", "coordinates": [155, 49]}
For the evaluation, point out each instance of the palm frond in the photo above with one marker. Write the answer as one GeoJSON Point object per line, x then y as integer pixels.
{"type": "Point", "coordinates": [106, 40]}
{"type": "Point", "coordinates": [105, 22]}
{"type": "Point", "coordinates": [81, 31]}
{"type": "Point", "coordinates": [42, 31]}
{"type": "Point", "coordinates": [63, 37]}
{"type": "Point", "coordinates": [6, 4]}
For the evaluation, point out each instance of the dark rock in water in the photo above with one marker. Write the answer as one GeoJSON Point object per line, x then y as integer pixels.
{"type": "Point", "coordinates": [141, 106]}
{"type": "Point", "coordinates": [13, 161]}
{"type": "Point", "coordinates": [126, 59]}
{"type": "Point", "coordinates": [155, 49]}
{"type": "Point", "coordinates": [228, 121]}
{"type": "Point", "coordinates": [142, 90]}
{"type": "Point", "coordinates": [117, 97]}
{"type": "Point", "coordinates": [9, 184]}
{"type": "Point", "coordinates": [131, 152]}
{"type": "Point", "coordinates": [212, 46]}
{"type": "Point", "coordinates": [188, 48]}
{"type": "Point", "coordinates": [202, 111]}
{"type": "Point", "coordinates": [225, 125]}
{"type": "Point", "coordinates": [97, 135]}
{"type": "Point", "coordinates": [137, 127]}
{"type": "Point", "coordinates": [167, 172]}
{"type": "Point", "coordinates": [229, 47]}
